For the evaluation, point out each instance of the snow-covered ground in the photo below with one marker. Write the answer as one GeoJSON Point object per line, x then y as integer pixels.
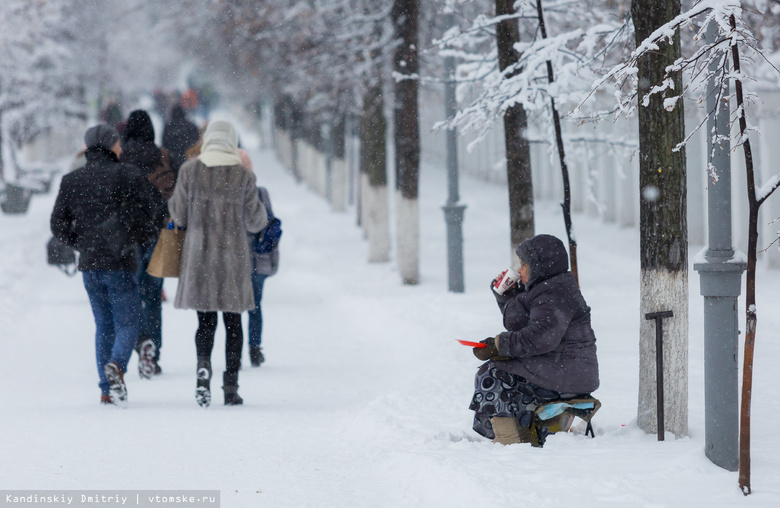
{"type": "Point", "coordinates": [363, 400]}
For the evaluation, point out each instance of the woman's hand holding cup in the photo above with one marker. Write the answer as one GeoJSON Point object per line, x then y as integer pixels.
{"type": "Point", "coordinates": [505, 281]}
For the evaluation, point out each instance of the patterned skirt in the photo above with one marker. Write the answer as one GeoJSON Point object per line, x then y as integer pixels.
{"type": "Point", "coordinates": [501, 393]}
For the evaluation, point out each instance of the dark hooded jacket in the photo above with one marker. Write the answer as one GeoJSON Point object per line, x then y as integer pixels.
{"type": "Point", "coordinates": [179, 135]}
{"type": "Point", "coordinates": [549, 338]}
{"type": "Point", "coordinates": [138, 149]}
{"type": "Point", "coordinates": [101, 213]}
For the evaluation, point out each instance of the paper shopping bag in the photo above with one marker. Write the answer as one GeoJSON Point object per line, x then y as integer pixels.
{"type": "Point", "coordinates": [167, 253]}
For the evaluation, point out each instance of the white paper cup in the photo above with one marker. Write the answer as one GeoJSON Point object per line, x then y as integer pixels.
{"type": "Point", "coordinates": [509, 279]}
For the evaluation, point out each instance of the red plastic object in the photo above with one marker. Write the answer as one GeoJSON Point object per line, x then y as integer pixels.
{"type": "Point", "coordinates": [471, 344]}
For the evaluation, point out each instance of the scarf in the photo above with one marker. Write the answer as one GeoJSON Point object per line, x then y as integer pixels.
{"type": "Point", "coordinates": [220, 145]}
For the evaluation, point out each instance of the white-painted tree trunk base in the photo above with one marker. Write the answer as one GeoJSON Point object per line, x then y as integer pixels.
{"type": "Point", "coordinates": [408, 239]}
{"type": "Point", "coordinates": [661, 290]}
{"type": "Point", "coordinates": [338, 182]}
{"type": "Point", "coordinates": [378, 225]}
{"type": "Point", "coordinates": [322, 173]}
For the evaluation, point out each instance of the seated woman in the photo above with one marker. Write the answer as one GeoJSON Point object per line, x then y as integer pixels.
{"type": "Point", "coordinates": [548, 351]}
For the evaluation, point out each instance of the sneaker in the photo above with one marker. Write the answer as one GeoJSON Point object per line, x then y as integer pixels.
{"type": "Point", "coordinates": [157, 368]}
{"type": "Point", "coordinates": [256, 356]}
{"type": "Point", "coordinates": [203, 387]}
{"type": "Point", "coordinates": [105, 400]}
{"type": "Point", "coordinates": [146, 354]}
{"type": "Point", "coordinates": [117, 391]}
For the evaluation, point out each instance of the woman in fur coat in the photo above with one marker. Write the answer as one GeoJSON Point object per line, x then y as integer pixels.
{"type": "Point", "coordinates": [216, 200]}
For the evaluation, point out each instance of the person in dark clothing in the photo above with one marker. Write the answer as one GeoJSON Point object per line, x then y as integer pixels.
{"type": "Point", "coordinates": [138, 149]}
{"type": "Point", "coordinates": [101, 212]}
{"type": "Point", "coordinates": [179, 135]}
{"type": "Point", "coordinates": [548, 351]}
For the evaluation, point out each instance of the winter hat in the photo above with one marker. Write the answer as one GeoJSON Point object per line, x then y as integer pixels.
{"type": "Point", "coordinates": [220, 145]}
{"type": "Point", "coordinates": [178, 113]}
{"type": "Point", "coordinates": [102, 136]}
{"type": "Point", "coordinates": [545, 256]}
{"type": "Point", "coordinates": [139, 126]}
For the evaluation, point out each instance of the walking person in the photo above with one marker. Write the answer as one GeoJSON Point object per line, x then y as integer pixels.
{"type": "Point", "coordinates": [138, 148]}
{"type": "Point", "coordinates": [216, 199]}
{"type": "Point", "coordinates": [263, 266]}
{"type": "Point", "coordinates": [179, 134]}
{"type": "Point", "coordinates": [100, 212]}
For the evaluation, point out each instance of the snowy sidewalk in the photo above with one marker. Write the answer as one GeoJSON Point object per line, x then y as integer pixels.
{"type": "Point", "coordinates": [363, 398]}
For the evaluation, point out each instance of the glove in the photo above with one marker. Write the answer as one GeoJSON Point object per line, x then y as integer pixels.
{"type": "Point", "coordinates": [489, 352]}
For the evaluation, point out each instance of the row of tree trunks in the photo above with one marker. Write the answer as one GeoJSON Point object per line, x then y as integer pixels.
{"type": "Point", "coordinates": [663, 227]}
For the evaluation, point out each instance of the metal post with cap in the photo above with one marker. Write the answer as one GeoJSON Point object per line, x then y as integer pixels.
{"type": "Point", "coordinates": [720, 275]}
{"type": "Point", "coordinates": [453, 212]}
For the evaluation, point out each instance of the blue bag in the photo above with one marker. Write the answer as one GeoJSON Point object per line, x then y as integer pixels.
{"type": "Point", "coordinates": [267, 239]}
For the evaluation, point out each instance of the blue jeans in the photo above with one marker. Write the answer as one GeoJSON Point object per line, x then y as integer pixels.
{"type": "Point", "coordinates": [256, 315]}
{"type": "Point", "coordinates": [113, 296]}
{"type": "Point", "coordinates": [150, 291]}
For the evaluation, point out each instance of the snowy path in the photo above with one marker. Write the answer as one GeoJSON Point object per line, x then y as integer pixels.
{"type": "Point", "coordinates": [363, 399]}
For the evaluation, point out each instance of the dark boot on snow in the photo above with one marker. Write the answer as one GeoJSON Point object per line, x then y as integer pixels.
{"type": "Point", "coordinates": [117, 391]}
{"type": "Point", "coordinates": [146, 353]}
{"type": "Point", "coordinates": [203, 387]}
{"type": "Point", "coordinates": [230, 387]}
{"type": "Point", "coordinates": [256, 356]}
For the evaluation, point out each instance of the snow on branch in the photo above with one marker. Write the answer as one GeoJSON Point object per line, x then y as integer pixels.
{"type": "Point", "coordinates": [574, 54]}
{"type": "Point", "coordinates": [709, 60]}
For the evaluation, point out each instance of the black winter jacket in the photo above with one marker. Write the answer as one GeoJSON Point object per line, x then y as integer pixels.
{"type": "Point", "coordinates": [101, 212]}
{"type": "Point", "coordinates": [549, 337]}
{"type": "Point", "coordinates": [178, 136]}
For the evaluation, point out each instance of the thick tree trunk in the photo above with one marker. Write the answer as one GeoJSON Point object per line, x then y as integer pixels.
{"type": "Point", "coordinates": [518, 153]}
{"type": "Point", "coordinates": [373, 165]}
{"type": "Point", "coordinates": [405, 15]}
{"type": "Point", "coordinates": [663, 228]}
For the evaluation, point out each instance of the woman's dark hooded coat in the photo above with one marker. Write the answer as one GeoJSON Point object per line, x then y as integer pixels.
{"type": "Point", "coordinates": [549, 337]}
{"type": "Point", "coordinates": [138, 149]}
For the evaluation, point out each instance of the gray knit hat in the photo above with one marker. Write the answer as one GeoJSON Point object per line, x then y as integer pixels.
{"type": "Point", "coordinates": [101, 136]}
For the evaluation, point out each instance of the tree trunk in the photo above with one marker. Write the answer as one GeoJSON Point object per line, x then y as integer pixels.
{"type": "Point", "coordinates": [405, 15]}
{"type": "Point", "coordinates": [566, 205]}
{"type": "Point", "coordinates": [751, 318]}
{"type": "Point", "coordinates": [663, 228]}
{"type": "Point", "coordinates": [518, 153]}
{"type": "Point", "coordinates": [373, 164]}
{"type": "Point", "coordinates": [338, 180]}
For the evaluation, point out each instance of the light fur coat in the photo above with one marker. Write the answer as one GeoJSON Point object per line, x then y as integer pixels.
{"type": "Point", "coordinates": [218, 205]}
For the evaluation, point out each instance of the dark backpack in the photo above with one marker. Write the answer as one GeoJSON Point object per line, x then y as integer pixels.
{"type": "Point", "coordinates": [267, 240]}
{"type": "Point", "coordinates": [60, 255]}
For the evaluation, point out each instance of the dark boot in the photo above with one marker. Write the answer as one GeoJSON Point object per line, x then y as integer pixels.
{"type": "Point", "coordinates": [146, 353]}
{"type": "Point", "coordinates": [203, 389]}
{"type": "Point", "coordinates": [230, 386]}
{"type": "Point", "coordinates": [256, 356]}
{"type": "Point", "coordinates": [117, 391]}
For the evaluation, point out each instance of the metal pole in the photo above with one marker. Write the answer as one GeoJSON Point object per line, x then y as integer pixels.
{"type": "Point", "coordinates": [453, 212]}
{"type": "Point", "coordinates": [720, 282]}
{"type": "Point", "coordinates": [659, 366]}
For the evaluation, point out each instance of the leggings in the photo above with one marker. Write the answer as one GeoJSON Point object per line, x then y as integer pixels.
{"type": "Point", "coordinates": [234, 340]}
